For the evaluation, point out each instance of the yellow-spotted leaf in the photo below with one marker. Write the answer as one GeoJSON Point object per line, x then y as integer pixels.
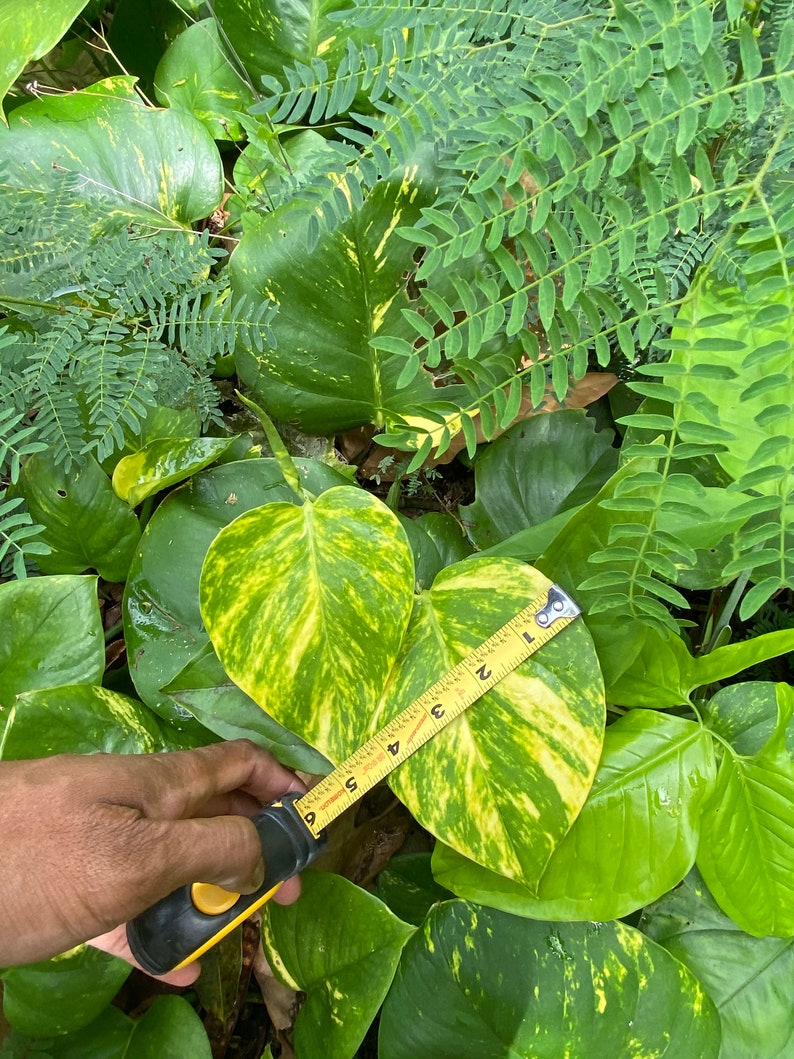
{"type": "Point", "coordinates": [475, 983]}
{"type": "Point", "coordinates": [504, 781]}
{"type": "Point", "coordinates": [142, 164]}
{"type": "Point", "coordinates": [306, 607]}
{"type": "Point", "coordinates": [28, 31]}
{"type": "Point", "coordinates": [163, 463]}
{"type": "Point", "coordinates": [322, 371]}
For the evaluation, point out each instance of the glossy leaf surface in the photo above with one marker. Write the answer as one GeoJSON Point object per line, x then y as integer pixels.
{"type": "Point", "coordinates": [162, 463]}
{"type": "Point", "coordinates": [535, 470]}
{"type": "Point", "coordinates": [635, 838]}
{"type": "Point", "coordinates": [341, 946]}
{"type": "Point", "coordinates": [746, 854]}
{"type": "Point", "coordinates": [197, 76]}
{"type": "Point", "coordinates": [745, 976]}
{"type": "Point", "coordinates": [86, 526]}
{"type": "Point", "coordinates": [61, 995]}
{"type": "Point", "coordinates": [51, 634]}
{"type": "Point", "coordinates": [29, 31]}
{"type": "Point", "coordinates": [79, 719]}
{"type": "Point", "coordinates": [331, 301]}
{"type": "Point", "coordinates": [505, 780]}
{"type": "Point", "coordinates": [437, 540]}
{"type": "Point", "coordinates": [475, 983]}
{"type": "Point", "coordinates": [144, 164]}
{"type": "Point", "coordinates": [162, 620]}
{"type": "Point", "coordinates": [306, 608]}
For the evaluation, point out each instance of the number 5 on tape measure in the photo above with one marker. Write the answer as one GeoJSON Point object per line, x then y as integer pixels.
{"type": "Point", "coordinates": [292, 829]}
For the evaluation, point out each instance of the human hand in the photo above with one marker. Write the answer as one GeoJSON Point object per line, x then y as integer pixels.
{"type": "Point", "coordinates": [89, 842]}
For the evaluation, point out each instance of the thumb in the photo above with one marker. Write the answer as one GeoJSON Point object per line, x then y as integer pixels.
{"type": "Point", "coordinates": [224, 850]}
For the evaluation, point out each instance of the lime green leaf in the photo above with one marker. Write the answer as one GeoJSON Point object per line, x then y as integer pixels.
{"type": "Point", "coordinates": [746, 853]}
{"type": "Point", "coordinates": [79, 719]}
{"type": "Point", "coordinates": [211, 696]}
{"type": "Point", "coordinates": [164, 462]}
{"type": "Point", "coordinates": [340, 945]}
{"type": "Point", "coordinates": [437, 540]}
{"type": "Point", "coordinates": [323, 373]}
{"type": "Point", "coordinates": [742, 974]}
{"type": "Point", "coordinates": [535, 470]}
{"type": "Point", "coordinates": [197, 76]}
{"type": "Point", "coordinates": [85, 524]}
{"type": "Point", "coordinates": [155, 166]}
{"type": "Point", "coordinates": [277, 587]}
{"type": "Point", "coordinates": [61, 995]}
{"type": "Point", "coordinates": [162, 621]}
{"type": "Point", "coordinates": [51, 634]}
{"type": "Point", "coordinates": [29, 31]}
{"type": "Point", "coordinates": [504, 782]}
{"type": "Point", "coordinates": [635, 838]}
{"type": "Point", "coordinates": [480, 984]}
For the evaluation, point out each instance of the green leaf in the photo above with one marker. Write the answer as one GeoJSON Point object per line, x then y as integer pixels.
{"type": "Point", "coordinates": [61, 995]}
{"type": "Point", "coordinates": [436, 540]}
{"type": "Point", "coordinates": [51, 634]}
{"type": "Point", "coordinates": [407, 886]}
{"type": "Point", "coordinates": [278, 584]}
{"type": "Point", "coordinates": [85, 524]}
{"type": "Point", "coordinates": [163, 463]}
{"type": "Point", "coordinates": [142, 164]}
{"type": "Point", "coordinates": [746, 854]}
{"type": "Point", "coordinates": [741, 974]}
{"type": "Point", "coordinates": [323, 372]}
{"type": "Point", "coordinates": [79, 719]}
{"type": "Point", "coordinates": [169, 1027]}
{"type": "Point", "coordinates": [211, 696]}
{"type": "Point", "coordinates": [28, 32]}
{"type": "Point", "coordinates": [548, 464]}
{"type": "Point", "coordinates": [635, 838]}
{"type": "Point", "coordinates": [197, 76]}
{"type": "Point", "coordinates": [162, 620]}
{"type": "Point", "coordinates": [504, 782]}
{"type": "Point", "coordinates": [341, 946]}
{"type": "Point", "coordinates": [480, 984]}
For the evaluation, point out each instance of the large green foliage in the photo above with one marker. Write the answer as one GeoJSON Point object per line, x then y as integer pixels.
{"type": "Point", "coordinates": [443, 215]}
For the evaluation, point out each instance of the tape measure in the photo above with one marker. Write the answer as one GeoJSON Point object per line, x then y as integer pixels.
{"type": "Point", "coordinates": [292, 829]}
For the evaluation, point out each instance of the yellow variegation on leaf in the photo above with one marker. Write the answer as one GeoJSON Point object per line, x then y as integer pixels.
{"type": "Point", "coordinates": [306, 607]}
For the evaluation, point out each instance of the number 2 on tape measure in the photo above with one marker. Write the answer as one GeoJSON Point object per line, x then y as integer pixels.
{"type": "Point", "coordinates": [437, 707]}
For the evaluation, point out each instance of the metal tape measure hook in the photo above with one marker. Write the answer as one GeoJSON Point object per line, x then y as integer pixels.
{"type": "Point", "coordinates": [559, 605]}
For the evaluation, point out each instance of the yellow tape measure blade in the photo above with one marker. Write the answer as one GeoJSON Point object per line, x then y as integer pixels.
{"type": "Point", "coordinates": [437, 707]}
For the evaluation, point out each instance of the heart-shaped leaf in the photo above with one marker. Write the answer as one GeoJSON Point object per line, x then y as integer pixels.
{"type": "Point", "coordinates": [197, 76]}
{"type": "Point", "coordinates": [85, 524]}
{"type": "Point", "coordinates": [504, 781]}
{"type": "Point", "coordinates": [475, 983]}
{"type": "Point", "coordinates": [163, 463]}
{"type": "Point", "coordinates": [635, 838]}
{"type": "Point", "coordinates": [155, 166]}
{"type": "Point", "coordinates": [306, 608]}
{"type": "Point", "coordinates": [323, 373]}
{"type": "Point", "coordinates": [162, 621]}
{"type": "Point", "coordinates": [340, 945]}
{"type": "Point", "coordinates": [51, 634]}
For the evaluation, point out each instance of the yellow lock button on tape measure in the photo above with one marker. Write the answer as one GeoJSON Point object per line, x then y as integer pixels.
{"type": "Point", "coordinates": [292, 829]}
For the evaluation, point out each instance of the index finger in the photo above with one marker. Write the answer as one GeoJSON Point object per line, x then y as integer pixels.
{"type": "Point", "coordinates": [179, 784]}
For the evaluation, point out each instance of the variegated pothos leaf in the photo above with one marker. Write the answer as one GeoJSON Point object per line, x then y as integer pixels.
{"type": "Point", "coordinates": [306, 607]}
